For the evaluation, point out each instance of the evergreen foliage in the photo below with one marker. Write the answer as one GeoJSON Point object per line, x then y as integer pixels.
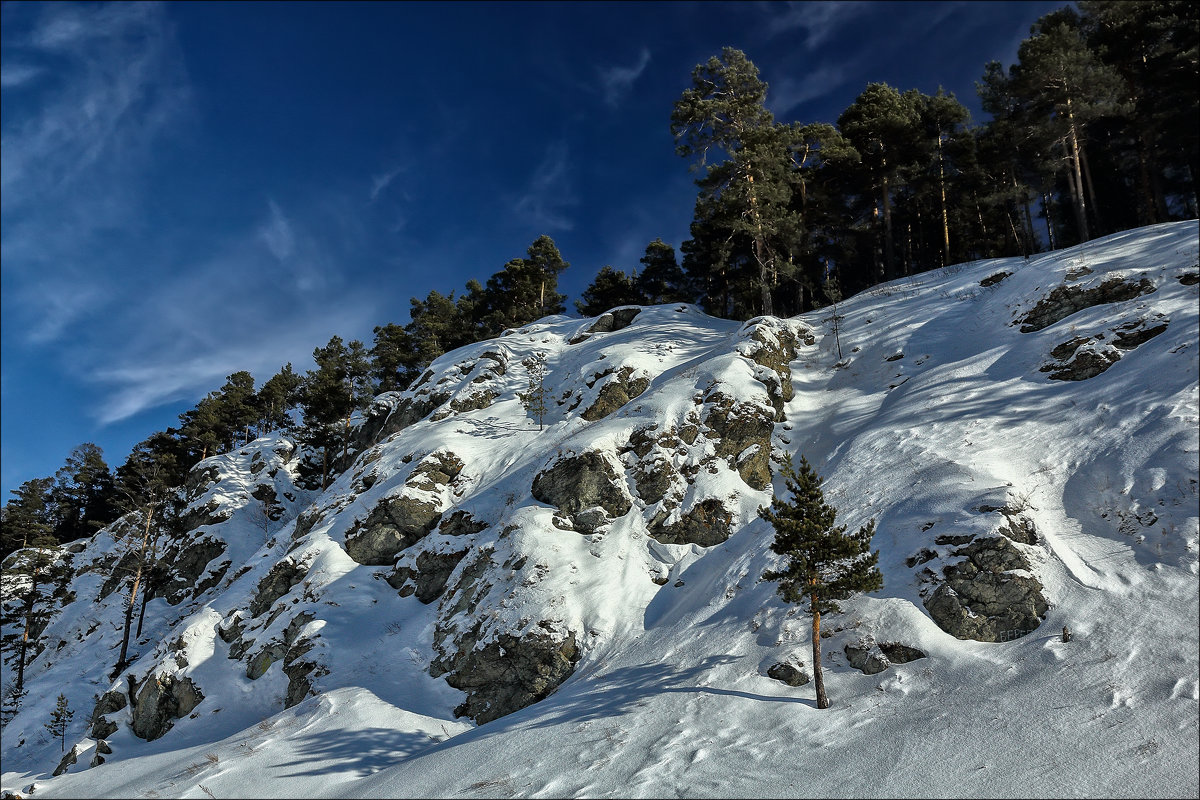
{"type": "Point", "coordinates": [661, 279]}
{"type": "Point", "coordinates": [60, 720]}
{"type": "Point", "coordinates": [611, 288]}
{"type": "Point", "coordinates": [535, 396]}
{"type": "Point", "coordinates": [824, 564]}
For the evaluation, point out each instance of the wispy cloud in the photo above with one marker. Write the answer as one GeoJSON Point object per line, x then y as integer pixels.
{"type": "Point", "coordinates": [277, 233]}
{"type": "Point", "coordinates": [548, 195]}
{"type": "Point", "coordinates": [787, 92]}
{"type": "Point", "coordinates": [615, 82]}
{"type": "Point", "coordinates": [75, 148]}
{"type": "Point", "coordinates": [383, 180]}
{"type": "Point", "coordinates": [818, 20]}
{"type": "Point", "coordinates": [17, 74]}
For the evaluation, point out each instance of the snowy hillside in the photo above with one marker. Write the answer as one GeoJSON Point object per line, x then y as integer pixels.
{"type": "Point", "coordinates": [477, 607]}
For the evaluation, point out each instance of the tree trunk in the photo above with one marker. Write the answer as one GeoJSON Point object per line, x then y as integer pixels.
{"type": "Point", "coordinates": [945, 213]}
{"type": "Point", "coordinates": [1076, 175]}
{"type": "Point", "coordinates": [889, 246]}
{"type": "Point", "coordinates": [133, 591]}
{"type": "Point", "coordinates": [818, 676]}
{"type": "Point", "coordinates": [29, 602]}
{"type": "Point", "coordinates": [1091, 191]}
{"type": "Point", "coordinates": [760, 251]}
{"type": "Point", "coordinates": [1046, 200]}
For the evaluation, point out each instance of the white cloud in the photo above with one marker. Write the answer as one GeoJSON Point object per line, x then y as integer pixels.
{"type": "Point", "coordinates": [13, 75]}
{"type": "Point", "coordinates": [277, 234]}
{"type": "Point", "coordinates": [382, 181]}
{"type": "Point", "coordinates": [784, 94]}
{"type": "Point", "coordinates": [818, 20]}
{"type": "Point", "coordinates": [548, 194]}
{"type": "Point", "coordinates": [615, 82]}
{"type": "Point", "coordinates": [74, 152]}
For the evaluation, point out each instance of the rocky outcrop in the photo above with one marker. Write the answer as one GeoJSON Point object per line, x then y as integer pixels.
{"type": "Point", "coordinates": [982, 598]}
{"type": "Point", "coordinates": [109, 703]}
{"type": "Point", "coordinates": [1063, 301]}
{"type": "Point", "coordinates": [995, 278]}
{"type": "Point", "coordinates": [184, 566]}
{"type": "Point", "coordinates": [511, 673]}
{"type": "Point", "coordinates": [615, 392]}
{"type": "Point", "coordinates": [394, 524]}
{"type": "Point", "coordinates": [707, 523]}
{"type": "Point", "coordinates": [741, 433]}
{"type": "Point", "coordinates": [609, 321]}
{"type": "Point", "coordinates": [400, 521]}
{"type": "Point", "coordinates": [1083, 357]}
{"type": "Point", "coordinates": [162, 700]}
{"type": "Point", "coordinates": [871, 658]}
{"type": "Point", "coordinates": [580, 482]}
{"type": "Point", "coordinates": [772, 346]}
{"type": "Point", "coordinates": [426, 577]}
{"type": "Point", "coordinates": [275, 584]}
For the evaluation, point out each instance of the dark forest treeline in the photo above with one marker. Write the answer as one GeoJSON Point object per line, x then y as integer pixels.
{"type": "Point", "coordinates": [1092, 131]}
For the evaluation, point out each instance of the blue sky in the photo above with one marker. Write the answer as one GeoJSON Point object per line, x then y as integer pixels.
{"type": "Point", "coordinates": [193, 189]}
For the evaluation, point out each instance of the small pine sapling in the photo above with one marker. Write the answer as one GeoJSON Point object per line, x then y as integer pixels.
{"type": "Point", "coordinates": [60, 719]}
{"type": "Point", "coordinates": [535, 397]}
{"type": "Point", "coordinates": [824, 563]}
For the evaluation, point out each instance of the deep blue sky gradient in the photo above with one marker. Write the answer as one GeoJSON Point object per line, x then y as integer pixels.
{"type": "Point", "coordinates": [192, 189]}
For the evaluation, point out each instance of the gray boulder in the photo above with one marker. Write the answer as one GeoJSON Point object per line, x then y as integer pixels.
{"type": "Point", "coordinates": [791, 674]}
{"type": "Point", "coordinates": [582, 481]}
{"type": "Point", "coordinates": [742, 433]}
{"type": "Point", "coordinates": [162, 700]}
{"type": "Point", "coordinates": [394, 524]}
{"type": "Point", "coordinates": [982, 599]}
{"type": "Point", "coordinates": [511, 673]}
{"type": "Point", "coordinates": [707, 523]}
{"type": "Point", "coordinates": [1063, 301]}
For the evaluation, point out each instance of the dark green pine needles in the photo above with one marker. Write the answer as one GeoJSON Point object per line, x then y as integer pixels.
{"type": "Point", "coordinates": [824, 563]}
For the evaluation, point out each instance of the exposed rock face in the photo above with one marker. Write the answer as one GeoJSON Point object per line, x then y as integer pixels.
{"type": "Point", "coordinates": [1063, 301]}
{"type": "Point", "coordinates": [511, 673]}
{"type": "Point", "coordinates": [394, 524]}
{"type": "Point", "coordinates": [869, 660]}
{"type": "Point", "coordinates": [1016, 527]}
{"type": "Point", "coordinates": [109, 703]}
{"type": "Point", "coordinates": [580, 482]}
{"type": "Point", "coordinates": [426, 578]}
{"type": "Point", "coordinates": [400, 521]}
{"type": "Point", "coordinates": [1083, 357]}
{"type": "Point", "coordinates": [772, 346]}
{"type": "Point", "coordinates": [982, 599]}
{"type": "Point", "coordinates": [873, 658]}
{"type": "Point", "coordinates": [705, 524]}
{"type": "Point", "coordinates": [743, 437]}
{"type": "Point", "coordinates": [185, 565]}
{"type": "Point", "coordinates": [460, 523]}
{"type": "Point", "coordinates": [992, 280]}
{"type": "Point", "coordinates": [615, 392]}
{"type": "Point", "coordinates": [275, 584]}
{"type": "Point", "coordinates": [67, 762]}
{"type": "Point", "coordinates": [162, 700]}
{"type": "Point", "coordinates": [791, 674]}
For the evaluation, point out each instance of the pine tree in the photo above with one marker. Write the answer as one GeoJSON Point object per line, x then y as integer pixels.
{"type": "Point", "coordinates": [13, 697]}
{"type": "Point", "coordinates": [60, 720]}
{"type": "Point", "coordinates": [824, 563]}
{"type": "Point", "coordinates": [82, 496]}
{"type": "Point", "coordinates": [145, 482]}
{"type": "Point", "coordinates": [276, 398]}
{"type": "Point", "coordinates": [536, 394]}
{"type": "Point", "coordinates": [724, 110]}
{"type": "Point", "coordinates": [661, 280]}
{"type": "Point", "coordinates": [609, 289]}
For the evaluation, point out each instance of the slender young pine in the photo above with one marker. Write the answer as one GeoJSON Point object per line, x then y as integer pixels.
{"type": "Point", "coordinates": [824, 563]}
{"type": "Point", "coordinates": [60, 719]}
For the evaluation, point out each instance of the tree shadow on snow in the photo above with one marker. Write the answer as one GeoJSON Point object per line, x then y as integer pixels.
{"type": "Point", "coordinates": [361, 752]}
{"type": "Point", "coordinates": [593, 697]}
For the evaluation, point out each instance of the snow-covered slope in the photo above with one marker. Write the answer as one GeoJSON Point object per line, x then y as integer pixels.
{"type": "Point", "coordinates": [1024, 433]}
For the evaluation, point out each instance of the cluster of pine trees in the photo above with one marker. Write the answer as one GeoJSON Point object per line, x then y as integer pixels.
{"type": "Point", "coordinates": [1093, 130]}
